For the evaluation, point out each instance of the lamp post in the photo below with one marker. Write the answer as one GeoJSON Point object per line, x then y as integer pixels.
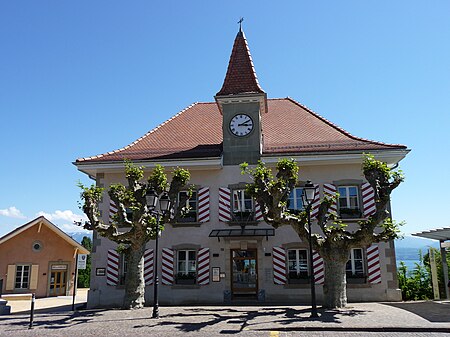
{"type": "Point", "coordinates": [164, 205]}
{"type": "Point", "coordinates": [307, 198]}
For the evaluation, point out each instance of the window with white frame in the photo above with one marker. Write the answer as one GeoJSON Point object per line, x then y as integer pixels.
{"type": "Point", "coordinates": [355, 263]}
{"type": "Point", "coordinates": [242, 201]}
{"type": "Point", "coordinates": [295, 201]}
{"type": "Point", "coordinates": [349, 205]}
{"type": "Point", "coordinates": [190, 204]}
{"type": "Point", "coordinates": [297, 264]}
{"type": "Point", "coordinates": [186, 265]}
{"type": "Point", "coordinates": [22, 276]}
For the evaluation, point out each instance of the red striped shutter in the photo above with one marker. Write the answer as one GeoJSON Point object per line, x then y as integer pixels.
{"type": "Point", "coordinates": [329, 190]}
{"type": "Point", "coordinates": [203, 266]}
{"type": "Point", "coordinates": [279, 265]}
{"type": "Point", "coordinates": [224, 204]}
{"type": "Point", "coordinates": [112, 211]}
{"type": "Point", "coordinates": [373, 264]}
{"type": "Point", "coordinates": [319, 269]}
{"type": "Point", "coordinates": [258, 212]}
{"type": "Point", "coordinates": [167, 266]}
{"type": "Point", "coordinates": [316, 202]}
{"type": "Point", "coordinates": [368, 197]}
{"type": "Point", "coordinates": [148, 266]}
{"type": "Point", "coordinates": [203, 204]}
{"type": "Point", "coordinates": [112, 268]}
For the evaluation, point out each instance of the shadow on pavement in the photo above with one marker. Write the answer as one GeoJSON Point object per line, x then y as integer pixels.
{"type": "Point", "coordinates": [54, 320]}
{"type": "Point", "coordinates": [190, 320]}
{"type": "Point", "coordinates": [429, 310]}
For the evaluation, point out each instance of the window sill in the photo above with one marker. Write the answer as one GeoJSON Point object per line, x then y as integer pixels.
{"type": "Point", "coordinates": [357, 286]}
{"type": "Point", "coordinates": [297, 286]}
{"type": "Point", "coordinates": [298, 281]}
{"type": "Point", "coordinates": [185, 286]}
{"type": "Point", "coordinates": [238, 223]}
{"type": "Point", "coordinates": [187, 224]}
{"type": "Point", "coordinates": [351, 219]}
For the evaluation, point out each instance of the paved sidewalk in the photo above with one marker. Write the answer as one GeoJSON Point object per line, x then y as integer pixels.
{"type": "Point", "coordinates": [59, 303]}
{"type": "Point", "coordinates": [424, 316]}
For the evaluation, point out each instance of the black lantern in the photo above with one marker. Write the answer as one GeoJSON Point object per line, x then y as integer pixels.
{"type": "Point", "coordinates": [164, 202]}
{"type": "Point", "coordinates": [308, 194]}
{"type": "Point", "coordinates": [307, 198]}
{"type": "Point", "coordinates": [151, 198]}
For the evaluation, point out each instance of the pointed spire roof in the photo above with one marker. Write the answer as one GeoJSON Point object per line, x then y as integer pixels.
{"type": "Point", "coordinates": [241, 77]}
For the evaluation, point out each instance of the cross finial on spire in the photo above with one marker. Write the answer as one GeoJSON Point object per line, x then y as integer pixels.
{"type": "Point", "coordinates": [240, 23]}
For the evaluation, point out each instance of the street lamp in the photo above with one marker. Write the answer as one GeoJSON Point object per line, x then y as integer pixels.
{"type": "Point", "coordinates": [164, 205]}
{"type": "Point", "coordinates": [307, 198]}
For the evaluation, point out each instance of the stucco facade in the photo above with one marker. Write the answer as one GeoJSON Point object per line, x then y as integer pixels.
{"type": "Point", "coordinates": [38, 258]}
{"type": "Point", "coordinates": [196, 235]}
{"type": "Point", "coordinates": [225, 251]}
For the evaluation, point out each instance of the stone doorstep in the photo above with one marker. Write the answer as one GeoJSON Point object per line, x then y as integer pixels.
{"type": "Point", "coordinates": [16, 297]}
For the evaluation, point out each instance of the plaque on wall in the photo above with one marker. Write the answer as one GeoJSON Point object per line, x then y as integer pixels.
{"type": "Point", "coordinates": [100, 272]}
{"type": "Point", "coordinates": [59, 267]}
{"type": "Point", "coordinates": [216, 274]}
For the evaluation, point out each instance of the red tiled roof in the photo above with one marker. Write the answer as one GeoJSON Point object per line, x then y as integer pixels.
{"type": "Point", "coordinates": [241, 77]}
{"type": "Point", "coordinates": [196, 132]}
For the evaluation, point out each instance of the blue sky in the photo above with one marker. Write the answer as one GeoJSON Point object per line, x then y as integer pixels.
{"type": "Point", "coordinates": [79, 78]}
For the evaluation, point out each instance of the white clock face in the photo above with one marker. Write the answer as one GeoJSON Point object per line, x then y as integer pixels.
{"type": "Point", "coordinates": [241, 125]}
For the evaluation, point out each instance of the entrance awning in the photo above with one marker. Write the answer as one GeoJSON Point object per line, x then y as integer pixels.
{"type": "Point", "coordinates": [224, 233]}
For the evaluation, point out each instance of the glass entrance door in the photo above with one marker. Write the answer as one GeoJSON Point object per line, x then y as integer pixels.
{"type": "Point", "coordinates": [244, 273]}
{"type": "Point", "coordinates": [58, 283]}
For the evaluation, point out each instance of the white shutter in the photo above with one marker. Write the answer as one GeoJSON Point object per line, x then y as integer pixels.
{"type": "Point", "coordinates": [34, 276]}
{"type": "Point", "coordinates": [373, 264]}
{"type": "Point", "coordinates": [329, 190]}
{"type": "Point", "coordinates": [279, 265]}
{"type": "Point", "coordinates": [10, 277]}
{"type": "Point", "coordinates": [167, 266]}
{"type": "Point", "coordinates": [148, 266]}
{"type": "Point", "coordinates": [368, 197]}
{"type": "Point", "coordinates": [203, 204]}
{"type": "Point", "coordinates": [203, 266]}
{"type": "Point", "coordinates": [112, 268]}
{"type": "Point", "coordinates": [258, 212]}
{"type": "Point", "coordinates": [319, 269]}
{"type": "Point", "coordinates": [224, 204]}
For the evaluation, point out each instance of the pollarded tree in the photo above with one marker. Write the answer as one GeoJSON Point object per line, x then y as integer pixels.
{"type": "Point", "coordinates": [334, 240]}
{"type": "Point", "coordinates": [134, 224]}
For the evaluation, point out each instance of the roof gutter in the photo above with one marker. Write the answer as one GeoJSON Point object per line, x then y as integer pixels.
{"type": "Point", "coordinates": [92, 168]}
{"type": "Point", "coordinates": [391, 157]}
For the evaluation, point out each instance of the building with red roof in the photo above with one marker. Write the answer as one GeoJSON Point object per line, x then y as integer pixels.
{"type": "Point", "coordinates": [224, 246]}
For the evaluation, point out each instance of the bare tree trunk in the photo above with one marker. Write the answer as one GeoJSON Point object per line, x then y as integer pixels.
{"type": "Point", "coordinates": [334, 289]}
{"type": "Point", "coordinates": [135, 283]}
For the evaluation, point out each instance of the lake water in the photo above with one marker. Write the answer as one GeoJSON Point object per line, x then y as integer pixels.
{"type": "Point", "coordinates": [410, 256]}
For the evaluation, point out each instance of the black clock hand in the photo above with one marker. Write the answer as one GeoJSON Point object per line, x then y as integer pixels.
{"type": "Point", "coordinates": [245, 123]}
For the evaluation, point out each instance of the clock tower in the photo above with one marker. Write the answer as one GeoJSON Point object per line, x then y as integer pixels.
{"type": "Point", "coordinates": [241, 102]}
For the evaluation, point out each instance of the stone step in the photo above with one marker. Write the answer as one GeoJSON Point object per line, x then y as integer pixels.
{"type": "Point", "coordinates": [16, 297]}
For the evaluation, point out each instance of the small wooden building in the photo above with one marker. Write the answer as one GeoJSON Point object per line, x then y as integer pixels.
{"type": "Point", "coordinates": [39, 258]}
